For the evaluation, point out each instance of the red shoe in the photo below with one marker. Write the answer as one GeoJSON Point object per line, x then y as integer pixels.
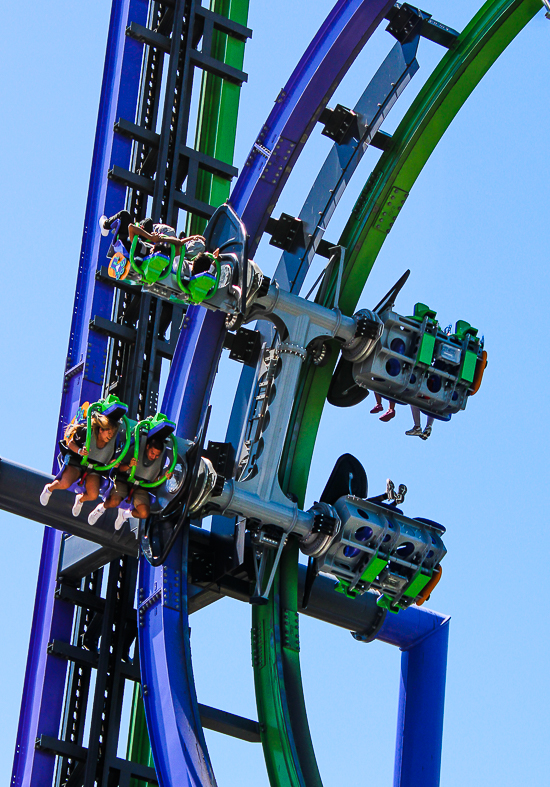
{"type": "Point", "coordinates": [388, 415]}
{"type": "Point", "coordinates": [377, 409]}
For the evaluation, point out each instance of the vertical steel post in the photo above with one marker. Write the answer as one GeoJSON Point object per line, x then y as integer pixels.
{"type": "Point", "coordinates": [420, 712]}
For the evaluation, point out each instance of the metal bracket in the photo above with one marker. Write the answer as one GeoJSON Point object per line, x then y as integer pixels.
{"type": "Point", "coordinates": [244, 346]}
{"type": "Point", "coordinates": [340, 123]}
{"type": "Point", "coordinates": [390, 210]}
{"type": "Point", "coordinates": [408, 21]}
{"type": "Point", "coordinates": [260, 560]}
{"type": "Point", "coordinates": [287, 232]}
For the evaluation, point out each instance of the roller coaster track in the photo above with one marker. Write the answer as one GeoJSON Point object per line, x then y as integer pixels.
{"type": "Point", "coordinates": [281, 710]}
{"type": "Point", "coordinates": [167, 682]}
{"type": "Point", "coordinates": [126, 351]}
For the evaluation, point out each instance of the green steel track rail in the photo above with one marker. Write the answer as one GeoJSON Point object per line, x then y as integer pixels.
{"type": "Point", "coordinates": [288, 749]}
{"type": "Point", "coordinates": [218, 109]}
{"type": "Point", "coordinates": [275, 643]}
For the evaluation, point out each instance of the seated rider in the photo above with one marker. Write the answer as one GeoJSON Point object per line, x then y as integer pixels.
{"type": "Point", "coordinates": [148, 231]}
{"type": "Point", "coordinates": [157, 238]}
{"type": "Point", "coordinates": [149, 467]}
{"type": "Point", "coordinates": [203, 263]}
{"type": "Point", "coordinates": [102, 450]}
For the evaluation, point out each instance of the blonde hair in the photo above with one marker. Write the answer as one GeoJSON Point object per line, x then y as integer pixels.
{"type": "Point", "coordinates": [98, 420]}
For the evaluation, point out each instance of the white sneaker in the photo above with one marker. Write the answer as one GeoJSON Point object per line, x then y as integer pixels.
{"type": "Point", "coordinates": [45, 496]}
{"type": "Point", "coordinates": [77, 507]}
{"type": "Point", "coordinates": [416, 431]}
{"type": "Point", "coordinates": [94, 515]}
{"type": "Point", "coordinates": [122, 516]}
{"type": "Point", "coordinates": [104, 230]}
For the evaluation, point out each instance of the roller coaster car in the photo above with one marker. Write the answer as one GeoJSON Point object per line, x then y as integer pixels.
{"type": "Point", "coordinates": [411, 361]}
{"type": "Point", "coordinates": [376, 546]}
{"type": "Point", "coordinates": [382, 549]}
{"type": "Point", "coordinates": [230, 282]}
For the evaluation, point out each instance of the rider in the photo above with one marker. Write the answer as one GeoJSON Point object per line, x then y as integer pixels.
{"type": "Point", "coordinates": [102, 450]}
{"type": "Point", "coordinates": [149, 467]}
{"type": "Point", "coordinates": [203, 263]}
{"type": "Point", "coordinates": [149, 231]}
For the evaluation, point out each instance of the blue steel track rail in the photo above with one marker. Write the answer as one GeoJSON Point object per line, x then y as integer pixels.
{"type": "Point", "coordinates": [171, 704]}
{"type": "Point", "coordinates": [45, 673]}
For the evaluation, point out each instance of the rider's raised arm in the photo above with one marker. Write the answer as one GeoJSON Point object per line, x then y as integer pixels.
{"type": "Point", "coordinates": [135, 229]}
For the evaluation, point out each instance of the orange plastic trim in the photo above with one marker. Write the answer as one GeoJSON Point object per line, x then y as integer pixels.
{"type": "Point", "coordinates": [425, 595]}
{"type": "Point", "coordinates": [478, 376]}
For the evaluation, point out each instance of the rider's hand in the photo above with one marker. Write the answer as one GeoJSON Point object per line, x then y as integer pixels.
{"type": "Point", "coordinates": [133, 461]}
{"type": "Point", "coordinates": [83, 452]}
{"type": "Point", "coordinates": [168, 474]}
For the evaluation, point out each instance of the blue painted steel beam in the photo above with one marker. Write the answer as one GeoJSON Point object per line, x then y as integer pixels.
{"type": "Point", "coordinates": [421, 707]}
{"type": "Point", "coordinates": [422, 635]}
{"type": "Point", "coordinates": [171, 706]}
{"type": "Point", "coordinates": [44, 684]}
{"type": "Point", "coordinates": [411, 626]}
{"type": "Point", "coordinates": [119, 96]}
{"type": "Point", "coordinates": [372, 108]}
{"type": "Point", "coordinates": [325, 62]}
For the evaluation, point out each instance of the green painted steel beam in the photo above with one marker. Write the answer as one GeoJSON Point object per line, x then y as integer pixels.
{"type": "Point", "coordinates": [288, 749]}
{"type": "Point", "coordinates": [477, 48]}
{"type": "Point", "coordinates": [138, 748]}
{"type": "Point", "coordinates": [218, 110]}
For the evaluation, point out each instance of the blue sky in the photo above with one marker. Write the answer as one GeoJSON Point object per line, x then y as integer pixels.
{"type": "Point", "coordinates": [474, 233]}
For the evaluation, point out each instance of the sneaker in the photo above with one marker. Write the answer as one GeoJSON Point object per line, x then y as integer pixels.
{"type": "Point", "coordinates": [96, 514]}
{"type": "Point", "coordinates": [416, 431]}
{"type": "Point", "coordinates": [45, 496]}
{"type": "Point", "coordinates": [104, 224]}
{"type": "Point", "coordinates": [388, 415]}
{"type": "Point", "coordinates": [122, 516]}
{"type": "Point", "coordinates": [401, 492]}
{"type": "Point", "coordinates": [426, 433]}
{"type": "Point", "coordinates": [77, 507]}
{"type": "Point", "coordinates": [377, 408]}
{"type": "Point", "coordinates": [390, 489]}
